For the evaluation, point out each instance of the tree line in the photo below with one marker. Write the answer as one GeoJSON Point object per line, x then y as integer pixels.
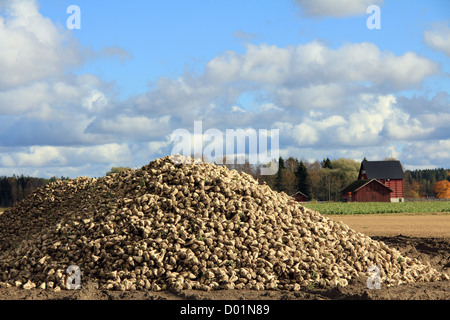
{"type": "Point", "coordinates": [321, 181]}
{"type": "Point", "coordinates": [14, 189]}
{"type": "Point", "coordinates": [324, 180]}
{"type": "Point", "coordinates": [421, 183]}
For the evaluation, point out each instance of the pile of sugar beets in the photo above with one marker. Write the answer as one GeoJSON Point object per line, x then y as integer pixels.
{"type": "Point", "coordinates": [180, 224]}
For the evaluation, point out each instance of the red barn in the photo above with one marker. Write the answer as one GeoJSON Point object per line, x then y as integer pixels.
{"type": "Point", "coordinates": [300, 197]}
{"type": "Point", "coordinates": [389, 173]}
{"type": "Point", "coordinates": [367, 191]}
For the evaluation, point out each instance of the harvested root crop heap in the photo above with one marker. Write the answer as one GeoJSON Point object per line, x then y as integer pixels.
{"type": "Point", "coordinates": [186, 226]}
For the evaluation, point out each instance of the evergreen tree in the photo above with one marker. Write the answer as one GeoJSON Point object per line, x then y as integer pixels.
{"type": "Point", "coordinates": [279, 177]}
{"type": "Point", "coordinates": [326, 164]}
{"type": "Point", "coordinates": [302, 176]}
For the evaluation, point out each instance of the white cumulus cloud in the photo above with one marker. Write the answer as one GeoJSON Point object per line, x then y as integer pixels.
{"type": "Point", "coordinates": [46, 156]}
{"type": "Point", "coordinates": [438, 37]}
{"type": "Point", "coordinates": [336, 8]}
{"type": "Point", "coordinates": [32, 47]}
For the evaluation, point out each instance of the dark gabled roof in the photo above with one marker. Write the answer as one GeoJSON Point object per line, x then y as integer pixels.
{"type": "Point", "coordinates": [298, 192]}
{"type": "Point", "coordinates": [355, 185]}
{"type": "Point", "coordinates": [358, 184]}
{"type": "Point", "coordinates": [382, 169]}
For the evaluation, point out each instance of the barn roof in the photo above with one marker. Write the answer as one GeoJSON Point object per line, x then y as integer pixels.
{"type": "Point", "coordinates": [382, 169]}
{"type": "Point", "coordinates": [300, 193]}
{"type": "Point", "coordinates": [358, 184]}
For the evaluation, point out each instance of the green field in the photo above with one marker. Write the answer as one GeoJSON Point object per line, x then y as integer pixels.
{"type": "Point", "coordinates": [380, 207]}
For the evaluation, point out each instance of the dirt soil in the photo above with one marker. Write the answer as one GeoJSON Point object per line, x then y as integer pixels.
{"type": "Point", "coordinates": [410, 224]}
{"type": "Point", "coordinates": [428, 244]}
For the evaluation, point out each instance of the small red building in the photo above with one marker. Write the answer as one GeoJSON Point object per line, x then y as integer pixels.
{"type": "Point", "coordinates": [367, 191]}
{"type": "Point", "coordinates": [300, 197]}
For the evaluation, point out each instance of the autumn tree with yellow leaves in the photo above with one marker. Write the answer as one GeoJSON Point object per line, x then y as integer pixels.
{"type": "Point", "coordinates": [442, 189]}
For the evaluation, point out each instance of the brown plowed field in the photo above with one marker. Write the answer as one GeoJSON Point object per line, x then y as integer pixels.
{"type": "Point", "coordinates": [426, 237]}
{"type": "Point", "coordinates": [413, 225]}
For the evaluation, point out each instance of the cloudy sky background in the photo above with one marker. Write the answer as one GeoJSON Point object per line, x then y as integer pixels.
{"type": "Point", "coordinates": [77, 102]}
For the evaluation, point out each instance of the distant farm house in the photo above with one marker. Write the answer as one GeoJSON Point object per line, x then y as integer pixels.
{"type": "Point", "coordinates": [300, 197]}
{"type": "Point", "coordinates": [378, 181]}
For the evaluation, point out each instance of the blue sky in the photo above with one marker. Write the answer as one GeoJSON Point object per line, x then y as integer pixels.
{"type": "Point", "coordinates": [76, 102]}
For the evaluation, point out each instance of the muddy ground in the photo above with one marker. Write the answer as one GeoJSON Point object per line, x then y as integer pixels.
{"type": "Point", "coordinates": [434, 250]}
